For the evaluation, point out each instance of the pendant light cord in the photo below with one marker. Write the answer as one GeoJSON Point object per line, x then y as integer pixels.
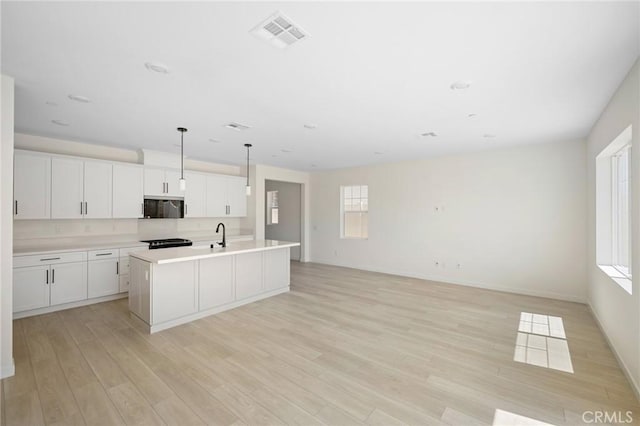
{"type": "Point", "coordinates": [248, 145]}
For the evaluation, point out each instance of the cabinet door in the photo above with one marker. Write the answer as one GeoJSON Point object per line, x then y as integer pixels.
{"type": "Point", "coordinates": [103, 278]}
{"type": "Point", "coordinates": [276, 268]}
{"type": "Point", "coordinates": [154, 182]}
{"type": "Point", "coordinates": [196, 195]}
{"type": "Point", "coordinates": [31, 186]}
{"type": "Point", "coordinates": [128, 187]}
{"type": "Point", "coordinates": [68, 282]}
{"type": "Point", "coordinates": [216, 196]}
{"type": "Point", "coordinates": [216, 281]}
{"type": "Point", "coordinates": [237, 196]}
{"type": "Point", "coordinates": [67, 188]}
{"type": "Point", "coordinates": [30, 288]}
{"type": "Point", "coordinates": [98, 189]}
{"type": "Point", "coordinates": [172, 178]}
{"type": "Point", "coordinates": [175, 291]}
{"type": "Point", "coordinates": [248, 275]}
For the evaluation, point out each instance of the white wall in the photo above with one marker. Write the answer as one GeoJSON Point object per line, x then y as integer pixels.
{"type": "Point", "coordinates": [6, 226]}
{"type": "Point", "coordinates": [256, 208]}
{"type": "Point", "coordinates": [514, 219]}
{"type": "Point", "coordinates": [289, 226]}
{"type": "Point", "coordinates": [617, 311]}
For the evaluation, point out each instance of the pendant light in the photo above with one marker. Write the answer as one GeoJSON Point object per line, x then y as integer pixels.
{"type": "Point", "coordinates": [183, 183]}
{"type": "Point", "coordinates": [248, 145]}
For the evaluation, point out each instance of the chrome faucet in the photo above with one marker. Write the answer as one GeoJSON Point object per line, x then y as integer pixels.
{"type": "Point", "coordinates": [224, 234]}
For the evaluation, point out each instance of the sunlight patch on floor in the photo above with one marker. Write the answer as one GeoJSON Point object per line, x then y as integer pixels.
{"type": "Point", "coordinates": [541, 341]}
{"type": "Point", "coordinates": [506, 418]}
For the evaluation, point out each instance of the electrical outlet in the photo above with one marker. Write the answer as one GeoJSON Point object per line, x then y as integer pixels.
{"type": "Point", "coordinates": [436, 263]}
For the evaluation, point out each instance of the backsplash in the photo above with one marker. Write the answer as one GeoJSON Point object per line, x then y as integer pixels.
{"type": "Point", "coordinates": [145, 228]}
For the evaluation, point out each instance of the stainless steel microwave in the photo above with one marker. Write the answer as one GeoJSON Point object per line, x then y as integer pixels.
{"type": "Point", "coordinates": [164, 208]}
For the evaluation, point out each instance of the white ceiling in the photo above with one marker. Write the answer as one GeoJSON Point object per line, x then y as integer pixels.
{"type": "Point", "coordinates": [372, 76]}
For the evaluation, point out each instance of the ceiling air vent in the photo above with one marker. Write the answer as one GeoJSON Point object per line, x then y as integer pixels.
{"type": "Point", "coordinates": [236, 126]}
{"type": "Point", "coordinates": [280, 31]}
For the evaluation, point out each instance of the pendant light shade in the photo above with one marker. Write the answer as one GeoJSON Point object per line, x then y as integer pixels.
{"type": "Point", "coordinates": [248, 187]}
{"type": "Point", "coordinates": [183, 183]}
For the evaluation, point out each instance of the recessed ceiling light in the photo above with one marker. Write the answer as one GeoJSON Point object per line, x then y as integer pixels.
{"type": "Point", "coordinates": [157, 67]}
{"type": "Point", "coordinates": [214, 140]}
{"type": "Point", "coordinates": [237, 126]}
{"type": "Point", "coordinates": [286, 150]}
{"type": "Point", "coordinates": [60, 122]}
{"type": "Point", "coordinates": [79, 98]}
{"type": "Point", "coordinates": [310, 126]}
{"type": "Point", "coordinates": [429, 135]}
{"type": "Point", "coordinates": [52, 104]}
{"type": "Point", "coordinates": [378, 152]}
{"type": "Point", "coordinates": [461, 85]}
{"type": "Point", "coordinates": [488, 136]}
{"type": "Point", "coordinates": [314, 166]}
{"type": "Point", "coordinates": [472, 115]}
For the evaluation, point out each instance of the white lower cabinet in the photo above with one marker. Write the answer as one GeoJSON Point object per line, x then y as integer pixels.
{"type": "Point", "coordinates": [30, 288]}
{"type": "Point", "coordinates": [175, 291]}
{"type": "Point", "coordinates": [47, 284]}
{"type": "Point", "coordinates": [216, 282]}
{"type": "Point", "coordinates": [276, 269]}
{"type": "Point", "coordinates": [103, 277]}
{"type": "Point", "coordinates": [68, 282]}
{"type": "Point", "coordinates": [248, 275]}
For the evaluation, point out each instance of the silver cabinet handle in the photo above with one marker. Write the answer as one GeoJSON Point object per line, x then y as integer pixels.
{"type": "Point", "coordinates": [104, 254]}
{"type": "Point", "coordinates": [16, 207]}
{"type": "Point", "coordinates": [167, 187]}
{"type": "Point", "coordinates": [85, 208]}
{"type": "Point", "coordinates": [186, 209]}
{"type": "Point", "coordinates": [49, 258]}
{"type": "Point", "coordinates": [81, 212]}
{"type": "Point", "coordinates": [53, 276]}
{"type": "Point", "coordinates": [47, 282]}
{"type": "Point", "coordinates": [117, 268]}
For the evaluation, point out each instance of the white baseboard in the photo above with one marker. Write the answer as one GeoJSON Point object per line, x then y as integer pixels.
{"type": "Point", "coordinates": [63, 306]}
{"type": "Point", "coordinates": [448, 280]}
{"type": "Point", "coordinates": [625, 369]}
{"type": "Point", "coordinates": [8, 370]}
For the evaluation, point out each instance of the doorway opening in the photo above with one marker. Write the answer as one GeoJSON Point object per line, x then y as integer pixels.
{"type": "Point", "coordinates": [283, 213]}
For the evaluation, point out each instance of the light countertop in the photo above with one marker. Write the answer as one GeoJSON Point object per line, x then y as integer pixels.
{"type": "Point", "coordinates": [183, 254]}
{"type": "Point", "coordinates": [58, 245]}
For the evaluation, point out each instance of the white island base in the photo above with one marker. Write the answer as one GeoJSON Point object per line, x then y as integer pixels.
{"type": "Point", "coordinates": [169, 287]}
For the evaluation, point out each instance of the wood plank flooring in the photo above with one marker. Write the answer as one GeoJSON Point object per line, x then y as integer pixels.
{"type": "Point", "coordinates": [343, 347]}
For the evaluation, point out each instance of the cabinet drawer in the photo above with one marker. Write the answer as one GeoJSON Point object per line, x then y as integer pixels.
{"type": "Point", "coordinates": [103, 254]}
{"type": "Point", "coordinates": [49, 259]}
{"type": "Point", "coordinates": [124, 252]}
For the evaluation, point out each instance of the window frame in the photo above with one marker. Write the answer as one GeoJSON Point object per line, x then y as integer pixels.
{"type": "Point", "coordinates": [618, 211]}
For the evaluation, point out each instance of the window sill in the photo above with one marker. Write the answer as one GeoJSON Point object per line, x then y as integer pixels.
{"type": "Point", "coordinates": [617, 277]}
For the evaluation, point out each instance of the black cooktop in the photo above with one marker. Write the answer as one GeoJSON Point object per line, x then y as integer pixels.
{"type": "Point", "coordinates": [167, 242]}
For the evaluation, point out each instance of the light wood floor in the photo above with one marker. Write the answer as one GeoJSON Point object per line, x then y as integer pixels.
{"type": "Point", "coordinates": [343, 347]}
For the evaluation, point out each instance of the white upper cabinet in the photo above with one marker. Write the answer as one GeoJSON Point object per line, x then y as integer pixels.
{"type": "Point", "coordinates": [196, 195]}
{"type": "Point", "coordinates": [80, 189]}
{"type": "Point", "coordinates": [172, 177]}
{"type": "Point", "coordinates": [237, 196]}
{"type": "Point", "coordinates": [98, 184]}
{"type": "Point", "coordinates": [154, 184]}
{"type": "Point", "coordinates": [32, 186]}
{"type": "Point", "coordinates": [128, 189]}
{"type": "Point", "coordinates": [67, 188]}
{"type": "Point", "coordinates": [226, 196]}
{"type": "Point", "coordinates": [159, 182]}
{"type": "Point", "coordinates": [216, 196]}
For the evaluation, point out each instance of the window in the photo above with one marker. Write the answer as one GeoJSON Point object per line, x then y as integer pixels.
{"type": "Point", "coordinates": [620, 166]}
{"type": "Point", "coordinates": [354, 211]}
{"type": "Point", "coordinates": [272, 207]}
{"type": "Point", "coordinates": [613, 210]}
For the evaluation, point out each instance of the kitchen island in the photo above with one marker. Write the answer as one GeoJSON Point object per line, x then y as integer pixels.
{"type": "Point", "coordinates": [174, 286]}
